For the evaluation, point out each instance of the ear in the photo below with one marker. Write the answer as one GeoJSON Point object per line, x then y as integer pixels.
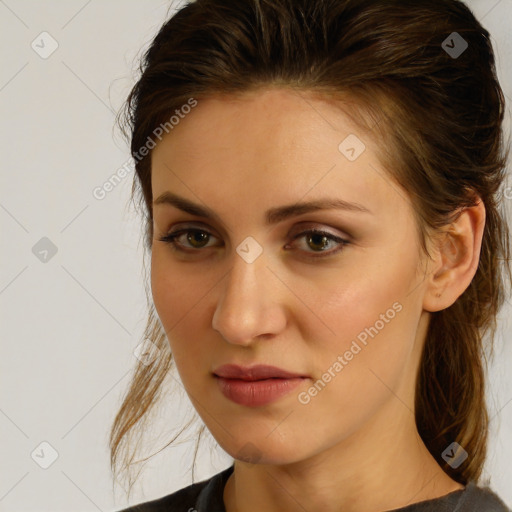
{"type": "Point", "coordinates": [455, 258]}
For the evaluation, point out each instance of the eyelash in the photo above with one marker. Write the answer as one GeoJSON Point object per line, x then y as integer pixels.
{"type": "Point", "coordinates": [170, 239]}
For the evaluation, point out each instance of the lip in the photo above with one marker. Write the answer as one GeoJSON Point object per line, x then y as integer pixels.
{"type": "Point", "coordinates": [252, 373]}
{"type": "Point", "coordinates": [256, 385]}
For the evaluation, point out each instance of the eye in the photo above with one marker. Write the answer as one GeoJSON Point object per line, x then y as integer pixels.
{"type": "Point", "coordinates": [192, 240]}
{"type": "Point", "coordinates": [188, 240]}
{"type": "Point", "coordinates": [319, 242]}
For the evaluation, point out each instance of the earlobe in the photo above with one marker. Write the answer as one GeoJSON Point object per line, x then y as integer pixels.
{"type": "Point", "coordinates": [456, 258]}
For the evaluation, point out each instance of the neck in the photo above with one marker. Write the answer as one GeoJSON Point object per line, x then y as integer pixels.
{"type": "Point", "coordinates": [375, 469]}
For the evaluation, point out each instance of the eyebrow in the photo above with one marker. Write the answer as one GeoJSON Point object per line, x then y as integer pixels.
{"type": "Point", "coordinates": [272, 216]}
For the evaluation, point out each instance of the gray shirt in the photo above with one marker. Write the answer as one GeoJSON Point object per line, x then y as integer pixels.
{"type": "Point", "coordinates": [207, 496]}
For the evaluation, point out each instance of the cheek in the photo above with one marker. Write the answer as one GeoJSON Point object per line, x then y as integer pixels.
{"type": "Point", "coordinates": [179, 299]}
{"type": "Point", "coordinates": [370, 357]}
{"type": "Point", "coordinates": [368, 316]}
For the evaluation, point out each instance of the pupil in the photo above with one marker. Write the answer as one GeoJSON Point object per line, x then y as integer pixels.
{"type": "Point", "coordinates": [197, 238]}
{"type": "Point", "coordinates": [318, 239]}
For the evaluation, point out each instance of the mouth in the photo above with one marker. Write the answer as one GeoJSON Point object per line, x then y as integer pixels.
{"type": "Point", "coordinates": [257, 385]}
{"type": "Point", "coordinates": [254, 373]}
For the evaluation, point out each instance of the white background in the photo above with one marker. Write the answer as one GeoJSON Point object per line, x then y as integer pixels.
{"type": "Point", "coordinates": [69, 326]}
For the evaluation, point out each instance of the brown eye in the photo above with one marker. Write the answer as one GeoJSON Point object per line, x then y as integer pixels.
{"type": "Point", "coordinates": [198, 239]}
{"type": "Point", "coordinates": [319, 243]}
{"type": "Point", "coordinates": [188, 240]}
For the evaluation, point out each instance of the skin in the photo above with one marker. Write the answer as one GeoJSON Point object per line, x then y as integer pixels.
{"type": "Point", "coordinates": [354, 446]}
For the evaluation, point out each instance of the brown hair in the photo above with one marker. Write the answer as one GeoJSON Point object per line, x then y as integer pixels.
{"type": "Point", "coordinates": [438, 118]}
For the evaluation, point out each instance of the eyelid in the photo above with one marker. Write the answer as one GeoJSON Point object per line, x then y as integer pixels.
{"type": "Point", "coordinates": [177, 232]}
{"type": "Point", "coordinates": [338, 240]}
{"type": "Point", "coordinates": [302, 230]}
{"type": "Point", "coordinates": [296, 229]}
{"type": "Point", "coordinates": [318, 227]}
{"type": "Point", "coordinates": [191, 226]}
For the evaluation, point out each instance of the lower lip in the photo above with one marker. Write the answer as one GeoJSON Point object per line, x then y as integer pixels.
{"type": "Point", "coordinates": [257, 392]}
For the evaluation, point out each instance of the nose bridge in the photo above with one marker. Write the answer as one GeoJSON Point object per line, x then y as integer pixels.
{"type": "Point", "coordinates": [246, 306]}
{"type": "Point", "coordinates": [242, 279]}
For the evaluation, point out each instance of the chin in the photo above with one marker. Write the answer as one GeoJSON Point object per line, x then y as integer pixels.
{"type": "Point", "coordinates": [265, 452]}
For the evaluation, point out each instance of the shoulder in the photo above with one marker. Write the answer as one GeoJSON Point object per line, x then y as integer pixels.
{"type": "Point", "coordinates": [481, 499]}
{"type": "Point", "coordinates": [470, 499]}
{"type": "Point", "coordinates": [206, 495]}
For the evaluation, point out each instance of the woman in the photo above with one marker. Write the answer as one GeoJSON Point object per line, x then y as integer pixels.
{"type": "Point", "coordinates": [321, 183]}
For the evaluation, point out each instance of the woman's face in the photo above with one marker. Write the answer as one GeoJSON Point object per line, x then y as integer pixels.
{"type": "Point", "coordinates": [251, 284]}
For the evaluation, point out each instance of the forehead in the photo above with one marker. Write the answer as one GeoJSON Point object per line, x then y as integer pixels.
{"type": "Point", "coordinates": [265, 116]}
{"type": "Point", "coordinates": [277, 144]}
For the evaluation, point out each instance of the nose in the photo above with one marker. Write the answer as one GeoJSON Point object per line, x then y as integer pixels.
{"type": "Point", "coordinates": [250, 303]}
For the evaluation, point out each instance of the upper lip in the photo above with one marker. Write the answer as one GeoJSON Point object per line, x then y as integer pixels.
{"type": "Point", "coordinates": [256, 372]}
